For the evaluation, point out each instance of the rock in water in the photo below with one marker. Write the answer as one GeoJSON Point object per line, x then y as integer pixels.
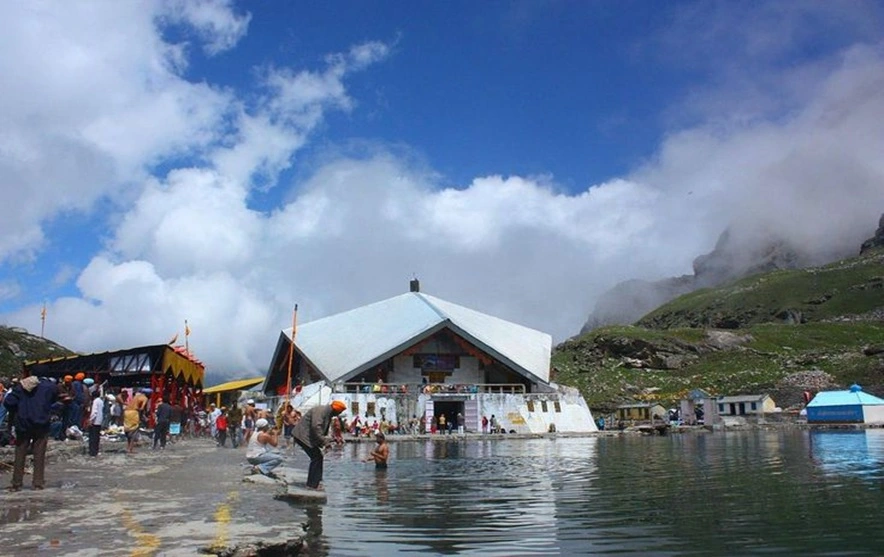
{"type": "Point", "coordinates": [301, 493]}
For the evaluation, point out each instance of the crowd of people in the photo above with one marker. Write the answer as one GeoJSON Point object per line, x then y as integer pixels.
{"type": "Point", "coordinates": [77, 408]}
{"type": "Point", "coordinates": [35, 410]}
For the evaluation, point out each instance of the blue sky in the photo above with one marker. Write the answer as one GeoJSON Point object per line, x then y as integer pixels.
{"type": "Point", "coordinates": [220, 161]}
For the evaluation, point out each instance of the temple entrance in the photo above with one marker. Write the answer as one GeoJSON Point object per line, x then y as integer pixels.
{"type": "Point", "coordinates": [450, 408]}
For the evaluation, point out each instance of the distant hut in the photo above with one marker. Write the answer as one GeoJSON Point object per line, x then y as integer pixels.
{"type": "Point", "coordinates": [695, 406]}
{"type": "Point", "coordinates": [850, 406]}
{"type": "Point", "coordinates": [641, 412]}
{"type": "Point", "coordinates": [745, 405]}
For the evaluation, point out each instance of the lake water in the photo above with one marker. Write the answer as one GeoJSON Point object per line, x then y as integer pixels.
{"type": "Point", "coordinates": [740, 493]}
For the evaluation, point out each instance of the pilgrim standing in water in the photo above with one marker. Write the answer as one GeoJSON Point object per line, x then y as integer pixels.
{"type": "Point", "coordinates": [380, 453]}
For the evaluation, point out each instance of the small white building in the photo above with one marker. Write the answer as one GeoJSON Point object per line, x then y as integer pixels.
{"type": "Point", "coordinates": [417, 356]}
{"type": "Point", "coordinates": [745, 405]}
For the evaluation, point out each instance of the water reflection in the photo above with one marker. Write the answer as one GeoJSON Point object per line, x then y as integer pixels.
{"type": "Point", "coordinates": [317, 543]}
{"type": "Point", "coordinates": [11, 512]}
{"type": "Point", "coordinates": [446, 497]}
{"type": "Point", "coordinates": [722, 493]}
{"type": "Point", "coordinates": [853, 453]}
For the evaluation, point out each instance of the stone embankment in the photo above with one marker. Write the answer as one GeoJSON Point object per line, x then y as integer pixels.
{"type": "Point", "coordinates": [191, 498]}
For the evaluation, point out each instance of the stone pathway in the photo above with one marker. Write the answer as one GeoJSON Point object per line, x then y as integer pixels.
{"type": "Point", "coordinates": [190, 498]}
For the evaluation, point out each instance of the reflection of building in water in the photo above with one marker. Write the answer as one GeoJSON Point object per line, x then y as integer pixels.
{"type": "Point", "coordinates": [850, 406]}
{"type": "Point", "coordinates": [857, 453]}
{"type": "Point", "coordinates": [411, 358]}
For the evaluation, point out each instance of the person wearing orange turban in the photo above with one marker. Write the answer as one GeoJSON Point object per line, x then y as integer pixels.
{"type": "Point", "coordinates": [311, 433]}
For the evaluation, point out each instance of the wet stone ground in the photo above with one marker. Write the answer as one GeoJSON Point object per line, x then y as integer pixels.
{"type": "Point", "coordinates": [191, 498]}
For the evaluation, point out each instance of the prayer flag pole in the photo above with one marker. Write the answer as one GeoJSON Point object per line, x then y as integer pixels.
{"type": "Point", "coordinates": [43, 320]}
{"type": "Point", "coordinates": [288, 383]}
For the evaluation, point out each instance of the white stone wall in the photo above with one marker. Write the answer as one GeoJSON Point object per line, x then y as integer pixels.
{"type": "Point", "coordinates": [511, 410]}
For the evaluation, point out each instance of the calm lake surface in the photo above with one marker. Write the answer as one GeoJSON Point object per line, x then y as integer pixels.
{"type": "Point", "coordinates": [740, 493]}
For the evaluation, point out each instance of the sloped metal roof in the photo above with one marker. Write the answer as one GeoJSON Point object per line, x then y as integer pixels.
{"type": "Point", "coordinates": [741, 398]}
{"type": "Point", "coordinates": [343, 345]}
{"type": "Point", "coordinates": [233, 385]}
{"type": "Point", "coordinates": [844, 398]}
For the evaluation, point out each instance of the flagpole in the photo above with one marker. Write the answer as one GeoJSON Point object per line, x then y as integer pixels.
{"type": "Point", "coordinates": [186, 337]}
{"type": "Point", "coordinates": [288, 383]}
{"type": "Point", "coordinates": [43, 320]}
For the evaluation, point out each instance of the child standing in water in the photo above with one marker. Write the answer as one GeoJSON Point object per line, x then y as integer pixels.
{"type": "Point", "coordinates": [380, 453]}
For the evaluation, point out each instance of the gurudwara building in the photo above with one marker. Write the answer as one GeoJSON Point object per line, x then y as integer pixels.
{"type": "Point", "coordinates": [415, 356]}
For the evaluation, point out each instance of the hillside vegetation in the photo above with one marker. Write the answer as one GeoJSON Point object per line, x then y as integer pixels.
{"type": "Point", "coordinates": [779, 333]}
{"type": "Point", "coordinates": [18, 345]}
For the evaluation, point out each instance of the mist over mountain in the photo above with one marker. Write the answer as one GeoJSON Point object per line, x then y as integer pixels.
{"type": "Point", "coordinates": [875, 241]}
{"type": "Point", "coordinates": [741, 250]}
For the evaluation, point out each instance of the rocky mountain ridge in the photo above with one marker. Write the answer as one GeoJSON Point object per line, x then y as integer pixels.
{"type": "Point", "coordinates": [736, 254]}
{"type": "Point", "coordinates": [785, 332]}
{"type": "Point", "coordinates": [18, 346]}
{"type": "Point", "coordinates": [875, 241]}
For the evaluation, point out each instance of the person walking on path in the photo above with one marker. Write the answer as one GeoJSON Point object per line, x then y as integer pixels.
{"type": "Point", "coordinates": [96, 417]}
{"type": "Point", "coordinates": [260, 453]}
{"type": "Point", "coordinates": [311, 433]}
{"type": "Point", "coordinates": [29, 404]}
{"type": "Point", "coordinates": [249, 417]}
{"type": "Point", "coordinates": [176, 421]}
{"type": "Point", "coordinates": [289, 420]}
{"type": "Point", "coordinates": [131, 421]}
{"type": "Point", "coordinates": [164, 418]}
{"type": "Point", "coordinates": [234, 419]}
{"type": "Point", "coordinates": [221, 426]}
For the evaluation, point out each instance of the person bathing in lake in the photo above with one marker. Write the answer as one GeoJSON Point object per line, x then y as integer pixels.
{"type": "Point", "coordinates": [380, 453]}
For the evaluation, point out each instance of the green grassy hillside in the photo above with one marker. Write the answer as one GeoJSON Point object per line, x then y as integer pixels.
{"type": "Point", "coordinates": [779, 333]}
{"type": "Point", "coordinates": [852, 287]}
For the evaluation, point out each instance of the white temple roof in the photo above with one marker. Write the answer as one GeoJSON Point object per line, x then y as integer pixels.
{"type": "Point", "coordinates": [344, 345]}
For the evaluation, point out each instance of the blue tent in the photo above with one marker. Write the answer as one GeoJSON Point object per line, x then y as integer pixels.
{"type": "Point", "coordinates": [850, 406]}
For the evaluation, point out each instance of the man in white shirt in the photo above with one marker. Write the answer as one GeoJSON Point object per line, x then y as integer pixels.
{"type": "Point", "coordinates": [213, 417]}
{"type": "Point", "coordinates": [96, 416]}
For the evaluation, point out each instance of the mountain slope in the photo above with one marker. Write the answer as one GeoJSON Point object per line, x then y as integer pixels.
{"type": "Point", "coordinates": [849, 288]}
{"type": "Point", "coordinates": [786, 332]}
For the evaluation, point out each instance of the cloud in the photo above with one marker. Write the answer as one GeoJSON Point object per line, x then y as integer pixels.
{"type": "Point", "coordinates": [86, 85]}
{"type": "Point", "coordinates": [799, 157]}
{"type": "Point", "coordinates": [214, 21]}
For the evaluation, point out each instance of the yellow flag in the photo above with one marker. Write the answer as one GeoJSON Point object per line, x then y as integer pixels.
{"type": "Point", "coordinates": [186, 329]}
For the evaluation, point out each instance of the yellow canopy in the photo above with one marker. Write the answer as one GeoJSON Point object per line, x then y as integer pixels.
{"type": "Point", "coordinates": [180, 364]}
{"type": "Point", "coordinates": [233, 385]}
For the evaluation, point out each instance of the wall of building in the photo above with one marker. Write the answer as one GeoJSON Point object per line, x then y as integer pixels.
{"type": "Point", "coordinates": [768, 406]}
{"type": "Point", "coordinates": [852, 413]}
{"type": "Point", "coordinates": [511, 410]}
{"type": "Point", "coordinates": [405, 372]}
{"type": "Point", "coordinates": [873, 414]}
